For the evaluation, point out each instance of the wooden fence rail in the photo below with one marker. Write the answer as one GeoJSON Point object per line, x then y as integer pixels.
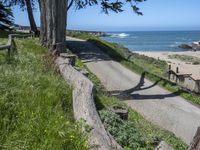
{"type": "Point", "coordinates": [10, 46]}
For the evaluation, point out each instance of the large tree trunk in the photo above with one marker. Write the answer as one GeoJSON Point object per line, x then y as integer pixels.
{"type": "Point", "coordinates": [31, 17]}
{"type": "Point", "coordinates": [43, 24]}
{"type": "Point", "coordinates": [53, 24]}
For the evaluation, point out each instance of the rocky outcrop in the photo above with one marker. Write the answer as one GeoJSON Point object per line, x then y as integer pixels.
{"type": "Point", "coordinates": [194, 46]}
{"type": "Point", "coordinates": [185, 46]}
{"type": "Point", "coordinates": [84, 107]}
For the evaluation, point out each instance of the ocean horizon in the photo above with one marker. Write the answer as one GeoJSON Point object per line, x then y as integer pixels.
{"type": "Point", "coordinates": [153, 41]}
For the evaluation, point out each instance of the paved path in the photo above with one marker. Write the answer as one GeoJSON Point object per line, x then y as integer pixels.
{"type": "Point", "coordinates": [157, 105]}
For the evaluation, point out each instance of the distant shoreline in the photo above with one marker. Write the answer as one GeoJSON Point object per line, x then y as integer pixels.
{"type": "Point", "coordinates": [155, 41]}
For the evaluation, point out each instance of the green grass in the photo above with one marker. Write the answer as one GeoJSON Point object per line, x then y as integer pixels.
{"type": "Point", "coordinates": [155, 70]}
{"type": "Point", "coordinates": [122, 54]}
{"type": "Point", "coordinates": [4, 36]}
{"type": "Point", "coordinates": [149, 133]}
{"type": "Point", "coordinates": [188, 59]}
{"type": "Point", "coordinates": [80, 35]}
{"type": "Point", "coordinates": [3, 41]}
{"type": "Point", "coordinates": [36, 103]}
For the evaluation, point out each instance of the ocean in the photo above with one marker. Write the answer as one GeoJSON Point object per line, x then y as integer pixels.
{"type": "Point", "coordinates": [155, 41]}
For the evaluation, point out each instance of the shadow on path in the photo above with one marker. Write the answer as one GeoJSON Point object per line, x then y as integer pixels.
{"type": "Point", "coordinates": [86, 51]}
{"type": "Point", "coordinates": [129, 94]}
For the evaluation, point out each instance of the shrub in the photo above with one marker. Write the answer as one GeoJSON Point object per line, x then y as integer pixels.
{"type": "Point", "coordinates": [123, 131]}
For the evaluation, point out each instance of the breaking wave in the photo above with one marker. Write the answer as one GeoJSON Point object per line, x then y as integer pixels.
{"type": "Point", "coordinates": [120, 35]}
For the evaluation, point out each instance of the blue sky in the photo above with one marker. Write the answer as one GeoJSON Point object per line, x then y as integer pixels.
{"type": "Point", "coordinates": [158, 15]}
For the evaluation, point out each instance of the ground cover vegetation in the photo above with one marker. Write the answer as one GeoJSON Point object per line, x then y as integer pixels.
{"type": "Point", "coordinates": [35, 102]}
{"type": "Point", "coordinates": [136, 133]}
{"type": "Point", "coordinates": [188, 59]}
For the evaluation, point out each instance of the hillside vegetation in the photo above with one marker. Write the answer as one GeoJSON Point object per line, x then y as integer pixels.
{"type": "Point", "coordinates": [35, 102]}
{"type": "Point", "coordinates": [155, 70]}
{"type": "Point", "coordinates": [134, 134]}
{"type": "Point", "coordinates": [185, 58]}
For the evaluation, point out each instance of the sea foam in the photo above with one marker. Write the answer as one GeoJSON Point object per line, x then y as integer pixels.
{"type": "Point", "coordinates": [120, 35]}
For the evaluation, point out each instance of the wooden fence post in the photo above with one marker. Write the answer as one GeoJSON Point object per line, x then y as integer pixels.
{"type": "Point", "coordinates": [195, 144]}
{"type": "Point", "coordinates": [9, 52]}
{"type": "Point", "coordinates": [13, 46]}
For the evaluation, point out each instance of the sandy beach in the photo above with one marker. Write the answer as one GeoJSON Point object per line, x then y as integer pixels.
{"type": "Point", "coordinates": [183, 66]}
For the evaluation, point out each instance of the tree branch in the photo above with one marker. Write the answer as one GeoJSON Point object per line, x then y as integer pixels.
{"type": "Point", "coordinates": [70, 4]}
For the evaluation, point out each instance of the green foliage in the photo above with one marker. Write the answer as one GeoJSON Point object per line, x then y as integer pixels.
{"type": "Point", "coordinates": [20, 3]}
{"type": "Point", "coordinates": [35, 103]}
{"type": "Point", "coordinates": [189, 59]}
{"type": "Point", "coordinates": [122, 54]}
{"type": "Point", "coordinates": [2, 41]}
{"type": "Point", "coordinates": [112, 50]}
{"type": "Point", "coordinates": [124, 132]}
{"type": "Point", "coordinates": [108, 5]}
{"type": "Point", "coordinates": [149, 133]}
{"type": "Point", "coordinates": [80, 35]}
{"type": "Point", "coordinates": [4, 36]}
{"type": "Point", "coordinates": [149, 64]}
{"type": "Point", "coordinates": [6, 16]}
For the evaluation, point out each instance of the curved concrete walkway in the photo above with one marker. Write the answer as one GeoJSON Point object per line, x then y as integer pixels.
{"type": "Point", "coordinates": [156, 104]}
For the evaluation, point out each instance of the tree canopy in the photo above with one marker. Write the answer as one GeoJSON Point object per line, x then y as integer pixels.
{"type": "Point", "coordinates": [54, 15]}
{"type": "Point", "coordinates": [108, 5]}
{"type": "Point", "coordinates": [25, 5]}
{"type": "Point", "coordinates": [20, 3]}
{"type": "Point", "coordinates": [6, 16]}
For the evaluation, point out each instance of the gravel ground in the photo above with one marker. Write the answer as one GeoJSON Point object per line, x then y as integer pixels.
{"type": "Point", "coordinates": [156, 104]}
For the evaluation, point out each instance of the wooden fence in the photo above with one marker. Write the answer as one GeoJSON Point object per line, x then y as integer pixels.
{"type": "Point", "coordinates": [195, 144]}
{"type": "Point", "coordinates": [10, 46]}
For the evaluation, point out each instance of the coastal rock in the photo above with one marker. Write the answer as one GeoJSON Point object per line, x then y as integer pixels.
{"type": "Point", "coordinates": [185, 46]}
{"type": "Point", "coordinates": [196, 45]}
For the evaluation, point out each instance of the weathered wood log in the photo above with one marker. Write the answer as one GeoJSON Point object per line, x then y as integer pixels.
{"type": "Point", "coordinates": [195, 144]}
{"type": "Point", "coordinates": [121, 111]}
{"type": "Point", "coordinates": [163, 146]}
{"type": "Point", "coordinates": [4, 47]}
{"type": "Point", "coordinates": [84, 107]}
{"type": "Point", "coordinates": [11, 46]}
{"type": "Point", "coordinates": [71, 57]}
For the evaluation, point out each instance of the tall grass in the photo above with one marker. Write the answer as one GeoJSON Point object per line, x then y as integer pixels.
{"type": "Point", "coordinates": [36, 103]}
